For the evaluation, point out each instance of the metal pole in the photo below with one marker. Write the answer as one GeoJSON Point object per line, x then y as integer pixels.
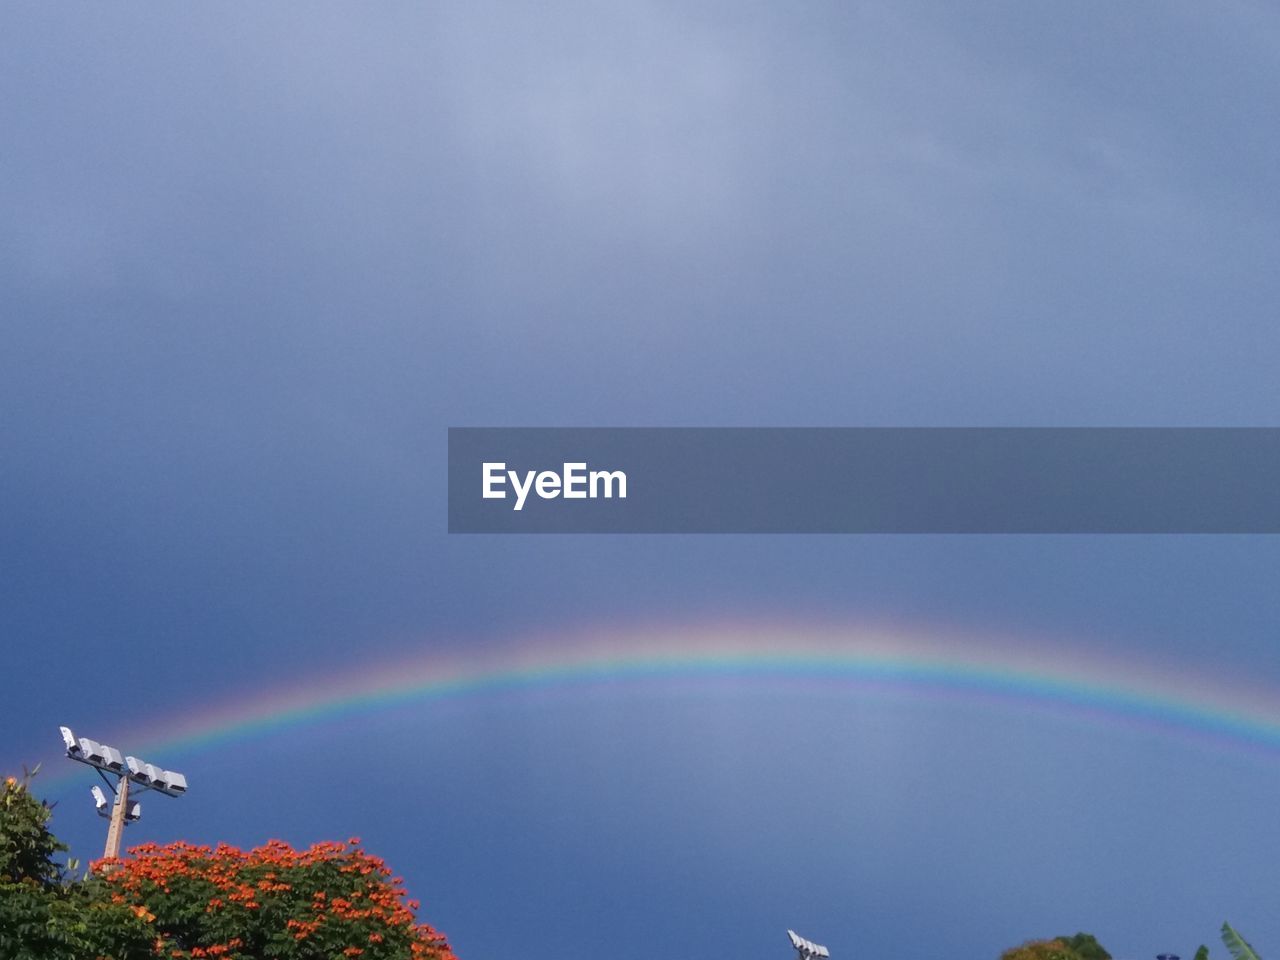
{"type": "Point", "coordinates": [115, 832]}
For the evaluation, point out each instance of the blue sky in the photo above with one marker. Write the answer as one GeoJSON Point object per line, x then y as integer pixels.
{"type": "Point", "coordinates": [256, 261]}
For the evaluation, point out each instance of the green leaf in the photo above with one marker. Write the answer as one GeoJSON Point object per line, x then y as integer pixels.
{"type": "Point", "coordinates": [1237, 944]}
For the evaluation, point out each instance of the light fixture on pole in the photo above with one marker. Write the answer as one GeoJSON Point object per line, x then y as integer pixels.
{"type": "Point", "coordinates": [807, 950]}
{"type": "Point", "coordinates": [109, 763]}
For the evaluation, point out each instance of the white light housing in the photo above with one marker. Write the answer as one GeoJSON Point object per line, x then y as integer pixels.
{"type": "Point", "coordinates": [112, 759]}
{"type": "Point", "coordinates": [99, 799]}
{"type": "Point", "coordinates": [176, 783]}
{"type": "Point", "coordinates": [92, 751]}
{"type": "Point", "coordinates": [108, 759]}
{"type": "Point", "coordinates": [133, 812]}
{"type": "Point", "coordinates": [807, 948]}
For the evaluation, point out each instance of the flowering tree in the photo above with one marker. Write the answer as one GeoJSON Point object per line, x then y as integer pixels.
{"type": "Point", "coordinates": [182, 901]}
{"type": "Point", "coordinates": [331, 900]}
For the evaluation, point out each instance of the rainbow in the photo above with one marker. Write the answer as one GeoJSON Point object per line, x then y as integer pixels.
{"type": "Point", "coordinates": [841, 658]}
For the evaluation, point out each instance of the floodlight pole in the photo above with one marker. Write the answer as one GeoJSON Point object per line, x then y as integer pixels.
{"type": "Point", "coordinates": [108, 762]}
{"type": "Point", "coordinates": [115, 832]}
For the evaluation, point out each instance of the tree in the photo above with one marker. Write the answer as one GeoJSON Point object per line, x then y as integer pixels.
{"type": "Point", "coordinates": [1086, 946]}
{"type": "Point", "coordinates": [182, 901]}
{"type": "Point", "coordinates": [331, 900]}
{"type": "Point", "coordinates": [1079, 946]}
{"type": "Point", "coordinates": [43, 917]}
{"type": "Point", "coordinates": [27, 847]}
{"type": "Point", "coordinates": [1041, 950]}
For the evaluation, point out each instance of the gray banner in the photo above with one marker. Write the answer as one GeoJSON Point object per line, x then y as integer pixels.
{"type": "Point", "coordinates": [864, 480]}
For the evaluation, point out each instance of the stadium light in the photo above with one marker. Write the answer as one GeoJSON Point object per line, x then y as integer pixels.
{"type": "Point", "coordinates": [109, 763]}
{"type": "Point", "coordinates": [806, 949]}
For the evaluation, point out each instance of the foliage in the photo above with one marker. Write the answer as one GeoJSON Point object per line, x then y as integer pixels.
{"type": "Point", "coordinates": [41, 916]}
{"type": "Point", "coordinates": [332, 900]}
{"type": "Point", "coordinates": [1079, 946]}
{"type": "Point", "coordinates": [26, 845]}
{"type": "Point", "coordinates": [1086, 946]}
{"type": "Point", "coordinates": [182, 901]}
{"type": "Point", "coordinates": [1041, 950]}
{"type": "Point", "coordinates": [1237, 945]}
{"type": "Point", "coordinates": [64, 923]}
{"type": "Point", "coordinates": [1202, 952]}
